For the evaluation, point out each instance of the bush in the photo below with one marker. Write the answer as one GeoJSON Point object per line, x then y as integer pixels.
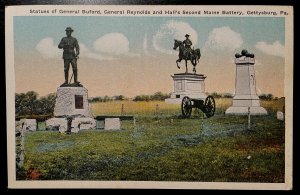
{"type": "Point", "coordinates": [266, 96]}
{"type": "Point", "coordinates": [220, 95]}
{"type": "Point", "coordinates": [141, 98]}
{"type": "Point", "coordinates": [227, 95]}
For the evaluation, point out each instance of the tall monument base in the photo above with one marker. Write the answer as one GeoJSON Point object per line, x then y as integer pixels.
{"type": "Point", "coordinates": [71, 103]}
{"type": "Point", "coordinates": [245, 87]}
{"type": "Point", "coordinates": [187, 84]}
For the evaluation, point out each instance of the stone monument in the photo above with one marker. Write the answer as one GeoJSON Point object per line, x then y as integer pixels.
{"type": "Point", "coordinates": [72, 111]}
{"type": "Point", "coordinates": [245, 87]}
{"type": "Point", "coordinates": [187, 84]}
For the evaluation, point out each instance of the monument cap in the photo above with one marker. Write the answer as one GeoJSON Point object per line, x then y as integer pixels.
{"type": "Point", "coordinates": [69, 29]}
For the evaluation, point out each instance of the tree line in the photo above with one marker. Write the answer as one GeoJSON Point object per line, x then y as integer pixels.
{"type": "Point", "coordinates": [221, 95]}
{"type": "Point", "coordinates": [107, 98]}
{"type": "Point", "coordinates": [158, 96]}
{"type": "Point", "coordinates": [263, 96]}
{"type": "Point", "coordinates": [29, 104]}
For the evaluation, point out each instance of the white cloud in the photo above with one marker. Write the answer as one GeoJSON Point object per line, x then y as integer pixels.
{"type": "Point", "coordinates": [275, 49]}
{"type": "Point", "coordinates": [223, 39]}
{"type": "Point", "coordinates": [83, 49]}
{"type": "Point", "coordinates": [48, 49]}
{"type": "Point", "coordinates": [145, 45]}
{"type": "Point", "coordinates": [85, 52]}
{"type": "Point", "coordinates": [164, 38]}
{"type": "Point", "coordinates": [145, 42]}
{"type": "Point", "coordinates": [112, 43]}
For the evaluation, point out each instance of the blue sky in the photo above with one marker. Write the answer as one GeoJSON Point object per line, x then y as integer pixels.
{"type": "Point", "coordinates": [30, 30]}
{"type": "Point", "coordinates": [142, 43]}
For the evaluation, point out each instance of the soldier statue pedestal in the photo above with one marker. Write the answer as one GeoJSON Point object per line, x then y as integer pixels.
{"type": "Point", "coordinates": [187, 84]}
{"type": "Point", "coordinates": [71, 102]}
{"type": "Point", "coordinates": [245, 89]}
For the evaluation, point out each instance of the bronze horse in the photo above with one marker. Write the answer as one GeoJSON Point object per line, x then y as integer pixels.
{"type": "Point", "coordinates": [185, 54]}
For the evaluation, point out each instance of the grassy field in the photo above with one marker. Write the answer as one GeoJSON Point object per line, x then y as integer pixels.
{"type": "Point", "coordinates": [163, 147]}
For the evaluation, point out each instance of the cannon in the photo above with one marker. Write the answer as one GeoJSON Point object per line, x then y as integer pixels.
{"type": "Point", "coordinates": [207, 106]}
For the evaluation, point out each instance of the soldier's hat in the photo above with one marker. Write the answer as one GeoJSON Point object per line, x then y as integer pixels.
{"type": "Point", "coordinates": [187, 35]}
{"type": "Point", "coordinates": [69, 29]}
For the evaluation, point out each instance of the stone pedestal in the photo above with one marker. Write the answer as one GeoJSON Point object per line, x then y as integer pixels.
{"type": "Point", "coordinates": [71, 101]}
{"type": "Point", "coordinates": [187, 84]}
{"type": "Point", "coordinates": [245, 89]}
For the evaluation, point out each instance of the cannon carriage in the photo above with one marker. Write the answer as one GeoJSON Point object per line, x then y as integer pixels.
{"type": "Point", "coordinates": [207, 106]}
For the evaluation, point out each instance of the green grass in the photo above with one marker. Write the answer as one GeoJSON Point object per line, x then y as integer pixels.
{"type": "Point", "coordinates": [163, 147]}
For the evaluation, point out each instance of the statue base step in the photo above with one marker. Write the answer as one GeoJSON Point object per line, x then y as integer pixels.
{"type": "Point", "coordinates": [243, 110]}
{"type": "Point", "coordinates": [78, 124]}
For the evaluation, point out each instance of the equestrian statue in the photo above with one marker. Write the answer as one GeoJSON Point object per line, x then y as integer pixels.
{"type": "Point", "coordinates": [187, 53]}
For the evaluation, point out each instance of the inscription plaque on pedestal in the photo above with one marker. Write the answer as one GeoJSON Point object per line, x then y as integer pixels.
{"type": "Point", "coordinates": [78, 102]}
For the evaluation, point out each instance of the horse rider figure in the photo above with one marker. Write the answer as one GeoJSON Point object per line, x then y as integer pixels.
{"type": "Point", "coordinates": [187, 43]}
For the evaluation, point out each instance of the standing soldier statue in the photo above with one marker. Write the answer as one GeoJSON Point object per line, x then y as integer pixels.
{"type": "Point", "coordinates": [68, 44]}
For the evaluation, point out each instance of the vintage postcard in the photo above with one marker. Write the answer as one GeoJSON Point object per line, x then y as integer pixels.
{"type": "Point", "coordinates": [156, 97]}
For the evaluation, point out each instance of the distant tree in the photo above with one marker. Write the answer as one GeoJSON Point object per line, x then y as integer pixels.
{"type": "Point", "coordinates": [97, 99]}
{"type": "Point", "coordinates": [120, 97]}
{"type": "Point", "coordinates": [270, 96]}
{"type": "Point", "coordinates": [46, 104]}
{"type": "Point", "coordinates": [216, 95]}
{"type": "Point", "coordinates": [25, 104]}
{"type": "Point", "coordinates": [266, 96]}
{"type": "Point", "coordinates": [141, 98]}
{"type": "Point", "coordinates": [19, 103]}
{"type": "Point", "coordinates": [227, 95]}
{"type": "Point", "coordinates": [159, 96]}
{"type": "Point", "coordinates": [29, 104]}
{"type": "Point", "coordinates": [137, 98]}
{"type": "Point", "coordinates": [106, 98]}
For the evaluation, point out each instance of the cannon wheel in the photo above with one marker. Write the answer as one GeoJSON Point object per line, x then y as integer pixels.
{"type": "Point", "coordinates": [209, 106]}
{"type": "Point", "coordinates": [186, 107]}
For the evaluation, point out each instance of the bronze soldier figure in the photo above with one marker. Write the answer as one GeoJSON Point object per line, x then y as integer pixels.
{"type": "Point", "coordinates": [68, 44]}
{"type": "Point", "coordinates": [187, 44]}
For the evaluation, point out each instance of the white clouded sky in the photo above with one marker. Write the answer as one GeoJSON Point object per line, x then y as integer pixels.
{"type": "Point", "coordinates": [224, 39]}
{"type": "Point", "coordinates": [276, 48]}
{"type": "Point", "coordinates": [172, 30]}
{"type": "Point", "coordinates": [47, 48]}
{"type": "Point", "coordinates": [112, 43]}
{"type": "Point", "coordinates": [143, 47]}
